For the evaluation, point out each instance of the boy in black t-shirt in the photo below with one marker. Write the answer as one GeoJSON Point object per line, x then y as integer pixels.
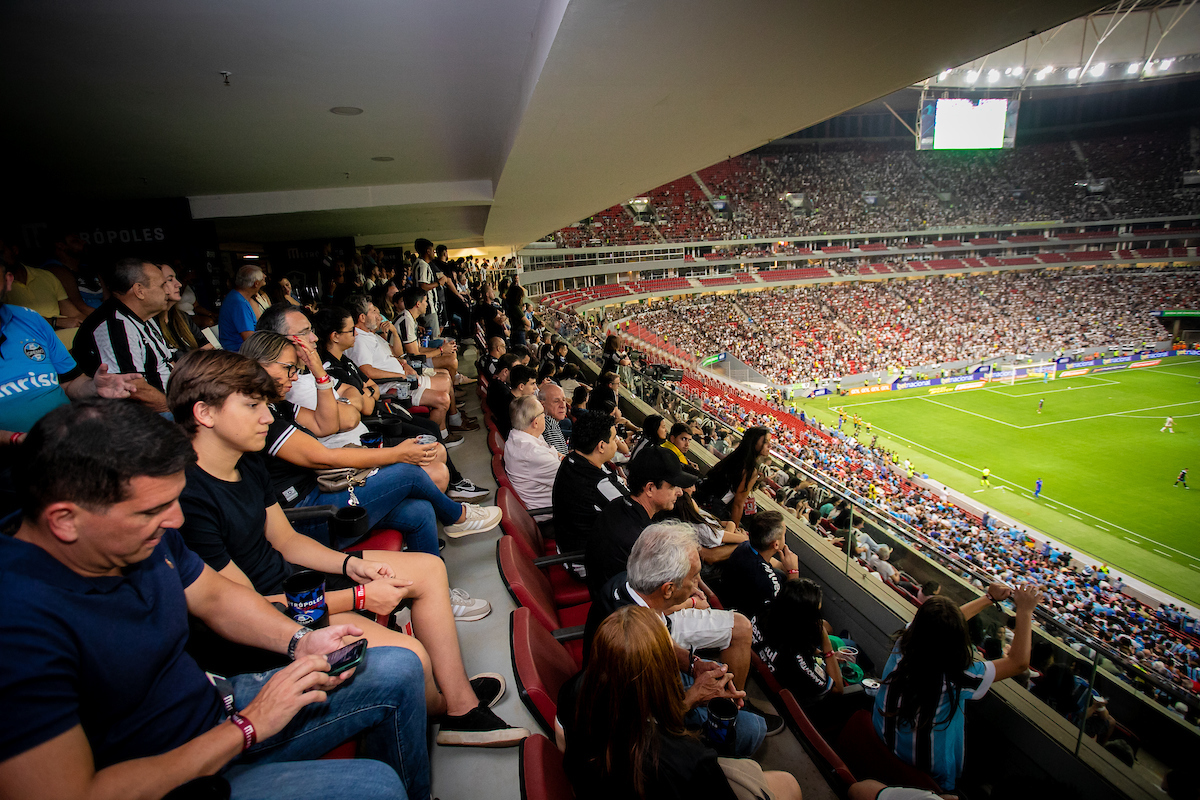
{"type": "Point", "coordinates": [234, 522]}
{"type": "Point", "coordinates": [751, 577]}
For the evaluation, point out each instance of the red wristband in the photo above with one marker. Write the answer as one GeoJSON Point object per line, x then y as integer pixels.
{"type": "Point", "coordinates": [247, 729]}
{"type": "Point", "coordinates": [324, 379]}
{"type": "Point", "coordinates": [13, 439]}
{"type": "Point", "coordinates": [360, 597]}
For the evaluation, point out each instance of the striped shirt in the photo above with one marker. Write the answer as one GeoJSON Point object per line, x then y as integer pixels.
{"type": "Point", "coordinates": [938, 752]}
{"type": "Point", "coordinates": [116, 336]}
{"type": "Point", "coordinates": [554, 435]}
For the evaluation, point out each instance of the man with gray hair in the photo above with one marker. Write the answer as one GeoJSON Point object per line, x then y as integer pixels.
{"type": "Point", "coordinates": [237, 318]}
{"type": "Point", "coordinates": [554, 404]}
{"type": "Point", "coordinates": [531, 464]}
{"type": "Point", "coordinates": [664, 576]}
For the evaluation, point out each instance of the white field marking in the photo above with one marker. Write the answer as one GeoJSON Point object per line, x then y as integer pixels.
{"type": "Point", "coordinates": [1161, 553]}
{"type": "Point", "coordinates": [1076, 516]}
{"type": "Point", "coordinates": [972, 413]}
{"type": "Point", "coordinates": [1193, 566]}
{"type": "Point", "coordinates": [1135, 541]}
{"type": "Point", "coordinates": [977, 491]}
{"type": "Point", "coordinates": [1156, 416]}
{"type": "Point", "coordinates": [1101, 527]}
{"type": "Point", "coordinates": [1057, 391]}
{"type": "Point", "coordinates": [1050, 506]}
{"type": "Point", "coordinates": [1110, 414]}
{"type": "Point", "coordinates": [974, 468]}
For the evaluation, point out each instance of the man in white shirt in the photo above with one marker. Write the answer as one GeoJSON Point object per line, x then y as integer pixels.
{"type": "Point", "coordinates": [382, 362]}
{"type": "Point", "coordinates": [530, 462]}
{"type": "Point", "coordinates": [444, 356]}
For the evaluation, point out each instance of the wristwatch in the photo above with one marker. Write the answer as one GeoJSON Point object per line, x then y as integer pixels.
{"type": "Point", "coordinates": [295, 640]}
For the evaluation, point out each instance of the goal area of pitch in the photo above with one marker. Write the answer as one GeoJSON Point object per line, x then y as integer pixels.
{"type": "Point", "coordinates": [1009, 374]}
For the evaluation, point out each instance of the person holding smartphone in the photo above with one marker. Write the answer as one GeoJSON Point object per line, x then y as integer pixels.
{"type": "Point", "coordinates": [235, 523]}
{"type": "Point", "coordinates": [101, 698]}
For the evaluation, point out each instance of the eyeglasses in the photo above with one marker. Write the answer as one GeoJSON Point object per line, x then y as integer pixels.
{"type": "Point", "coordinates": [292, 369]}
{"type": "Point", "coordinates": [352, 330]}
{"type": "Point", "coordinates": [305, 332]}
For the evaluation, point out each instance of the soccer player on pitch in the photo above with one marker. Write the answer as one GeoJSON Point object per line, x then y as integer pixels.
{"type": "Point", "coordinates": [985, 478]}
{"type": "Point", "coordinates": [1182, 477]}
{"type": "Point", "coordinates": [1168, 426]}
{"type": "Point", "coordinates": [1041, 403]}
{"type": "Point", "coordinates": [1037, 488]}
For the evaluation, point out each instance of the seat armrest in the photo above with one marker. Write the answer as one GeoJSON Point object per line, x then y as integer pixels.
{"type": "Point", "coordinates": [561, 558]}
{"type": "Point", "coordinates": [309, 512]}
{"type": "Point", "coordinates": [568, 634]}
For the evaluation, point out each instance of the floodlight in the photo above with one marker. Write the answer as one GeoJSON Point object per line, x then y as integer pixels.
{"type": "Point", "coordinates": [972, 75]}
{"type": "Point", "coordinates": [1018, 71]}
{"type": "Point", "coordinates": [1165, 64]}
{"type": "Point", "coordinates": [1073, 73]}
{"type": "Point", "coordinates": [944, 74]}
{"type": "Point", "coordinates": [1098, 69]}
{"type": "Point", "coordinates": [993, 75]}
{"type": "Point", "coordinates": [1132, 69]}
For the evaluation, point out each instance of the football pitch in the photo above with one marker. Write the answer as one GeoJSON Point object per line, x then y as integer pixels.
{"type": "Point", "coordinates": [1107, 470]}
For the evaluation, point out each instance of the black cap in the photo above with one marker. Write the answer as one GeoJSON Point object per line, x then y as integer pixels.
{"type": "Point", "coordinates": [659, 464]}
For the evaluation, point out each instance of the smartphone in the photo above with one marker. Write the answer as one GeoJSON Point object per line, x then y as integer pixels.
{"type": "Point", "coordinates": [347, 657]}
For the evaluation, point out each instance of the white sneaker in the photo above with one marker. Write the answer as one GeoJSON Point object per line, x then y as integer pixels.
{"type": "Point", "coordinates": [478, 519]}
{"type": "Point", "coordinates": [467, 608]}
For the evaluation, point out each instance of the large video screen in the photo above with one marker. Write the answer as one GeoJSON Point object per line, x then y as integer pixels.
{"type": "Point", "coordinates": [964, 123]}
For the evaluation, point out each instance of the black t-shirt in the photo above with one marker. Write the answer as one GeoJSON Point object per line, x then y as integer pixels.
{"type": "Point", "coordinates": [749, 584]}
{"type": "Point", "coordinates": [290, 482]}
{"type": "Point", "coordinates": [617, 528]}
{"type": "Point", "coordinates": [343, 370]}
{"type": "Point", "coordinates": [685, 768]}
{"type": "Point", "coordinates": [612, 361]}
{"type": "Point", "coordinates": [580, 493]}
{"type": "Point", "coordinates": [800, 672]}
{"type": "Point", "coordinates": [499, 396]}
{"type": "Point", "coordinates": [488, 316]}
{"type": "Point", "coordinates": [226, 522]}
{"type": "Point", "coordinates": [613, 595]}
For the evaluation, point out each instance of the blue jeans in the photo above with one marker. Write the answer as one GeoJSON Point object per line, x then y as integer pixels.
{"type": "Point", "coordinates": [399, 496]}
{"type": "Point", "coordinates": [384, 702]}
{"type": "Point", "coordinates": [748, 733]}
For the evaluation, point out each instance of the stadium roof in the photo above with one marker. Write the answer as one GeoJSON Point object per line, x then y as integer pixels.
{"type": "Point", "coordinates": [502, 120]}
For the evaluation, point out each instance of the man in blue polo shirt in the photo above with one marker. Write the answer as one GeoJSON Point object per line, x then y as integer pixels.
{"type": "Point", "coordinates": [37, 373]}
{"type": "Point", "coordinates": [237, 318]}
{"type": "Point", "coordinates": [100, 696]}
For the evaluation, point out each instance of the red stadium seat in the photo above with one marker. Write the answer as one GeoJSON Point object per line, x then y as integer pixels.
{"type": "Point", "coordinates": [531, 589]}
{"type": "Point", "coordinates": [540, 665]}
{"type": "Point", "coordinates": [542, 776]}
{"type": "Point", "coordinates": [868, 757]}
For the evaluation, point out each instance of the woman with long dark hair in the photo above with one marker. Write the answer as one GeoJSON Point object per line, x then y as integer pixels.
{"type": "Point", "coordinates": [717, 539]}
{"type": "Point", "coordinates": [623, 722]}
{"type": "Point", "coordinates": [654, 433]}
{"type": "Point", "coordinates": [932, 673]}
{"type": "Point", "coordinates": [614, 356]}
{"type": "Point", "coordinates": [727, 486]}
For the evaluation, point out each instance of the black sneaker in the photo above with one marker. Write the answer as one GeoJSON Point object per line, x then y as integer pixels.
{"type": "Point", "coordinates": [479, 727]}
{"type": "Point", "coordinates": [775, 723]}
{"type": "Point", "coordinates": [489, 688]}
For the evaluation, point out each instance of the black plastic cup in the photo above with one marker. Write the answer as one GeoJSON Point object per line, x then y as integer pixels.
{"type": "Point", "coordinates": [720, 728]}
{"type": "Point", "coordinates": [349, 524]}
{"type": "Point", "coordinates": [305, 592]}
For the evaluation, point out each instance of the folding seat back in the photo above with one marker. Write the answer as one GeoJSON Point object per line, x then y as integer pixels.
{"type": "Point", "coordinates": [526, 583]}
{"type": "Point", "coordinates": [517, 523]}
{"type": "Point", "coordinates": [816, 741]}
{"type": "Point", "coordinates": [869, 757]}
{"type": "Point", "coordinates": [495, 440]}
{"type": "Point", "coordinates": [498, 471]}
{"type": "Point", "coordinates": [542, 775]}
{"type": "Point", "coordinates": [541, 666]}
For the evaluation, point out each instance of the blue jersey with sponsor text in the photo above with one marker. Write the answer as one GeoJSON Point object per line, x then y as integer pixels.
{"type": "Point", "coordinates": [32, 360]}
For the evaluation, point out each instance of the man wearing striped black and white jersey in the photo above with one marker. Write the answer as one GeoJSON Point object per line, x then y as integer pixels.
{"type": "Point", "coordinates": [123, 335]}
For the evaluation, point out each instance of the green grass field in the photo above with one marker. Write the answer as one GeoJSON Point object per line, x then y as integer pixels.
{"type": "Point", "coordinates": [1107, 471]}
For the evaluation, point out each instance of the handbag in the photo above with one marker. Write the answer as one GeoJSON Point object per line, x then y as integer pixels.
{"type": "Point", "coordinates": [342, 479]}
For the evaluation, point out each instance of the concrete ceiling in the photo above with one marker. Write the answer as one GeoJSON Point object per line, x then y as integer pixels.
{"type": "Point", "coordinates": [506, 119]}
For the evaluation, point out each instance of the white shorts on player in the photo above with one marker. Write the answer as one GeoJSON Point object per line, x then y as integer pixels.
{"type": "Point", "coordinates": [1168, 426]}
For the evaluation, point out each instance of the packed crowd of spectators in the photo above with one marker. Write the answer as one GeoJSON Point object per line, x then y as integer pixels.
{"type": "Point", "coordinates": [809, 333]}
{"type": "Point", "coordinates": [150, 473]}
{"type": "Point", "coordinates": [1030, 183]}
